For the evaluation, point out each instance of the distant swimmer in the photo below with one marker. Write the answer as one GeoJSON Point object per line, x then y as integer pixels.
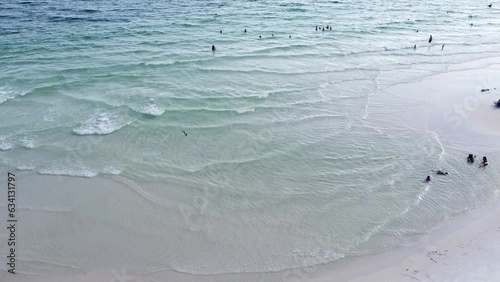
{"type": "Point", "coordinates": [221, 31]}
{"type": "Point", "coordinates": [260, 36]}
{"type": "Point", "coordinates": [489, 6]}
{"type": "Point", "coordinates": [471, 24]}
{"type": "Point", "coordinates": [316, 28]}
{"type": "Point", "coordinates": [417, 30]}
{"type": "Point", "coordinates": [323, 29]}
{"type": "Point", "coordinates": [430, 39]}
{"type": "Point", "coordinates": [442, 47]}
{"type": "Point", "coordinates": [415, 47]}
{"type": "Point", "coordinates": [245, 30]}
{"type": "Point", "coordinates": [184, 132]}
{"type": "Point", "coordinates": [213, 47]}
{"type": "Point", "coordinates": [428, 178]}
{"type": "Point", "coordinates": [289, 36]}
{"type": "Point", "coordinates": [440, 172]}
{"type": "Point", "coordinates": [272, 35]}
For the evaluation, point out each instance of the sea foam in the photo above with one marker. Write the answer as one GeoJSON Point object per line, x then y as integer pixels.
{"type": "Point", "coordinates": [79, 171]}
{"type": "Point", "coordinates": [101, 124]}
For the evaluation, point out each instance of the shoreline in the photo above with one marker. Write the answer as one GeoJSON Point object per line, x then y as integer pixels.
{"type": "Point", "coordinates": [453, 252]}
{"type": "Point", "coordinates": [435, 256]}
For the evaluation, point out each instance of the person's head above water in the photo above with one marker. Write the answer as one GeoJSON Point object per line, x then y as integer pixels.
{"type": "Point", "coordinates": [213, 47]}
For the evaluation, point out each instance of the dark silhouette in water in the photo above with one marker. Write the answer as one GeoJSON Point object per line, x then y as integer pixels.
{"type": "Point", "coordinates": [440, 172]}
{"type": "Point", "coordinates": [428, 178]}
{"type": "Point", "coordinates": [185, 134]}
{"type": "Point", "coordinates": [245, 30]}
{"type": "Point", "coordinates": [260, 36]}
{"type": "Point", "coordinates": [221, 31]}
{"type": "Point", "coordinates": [489, 6]}
{"type": "Point", "coordinates": [316, 27]}
{"type": "Point", "coordinates": [471, 24]}
{"type": "Point", "coordinates": [430, 39]}
{"type": "Point", "coordinates": [213, 47]}
{"type": "Point", "coordinates": [415, 47]}
{"type": "Point", "coordinates": [442, 47]}
{"type": "Point", "coordinates": [289, 36]}
{"type": "Point", "coordinates": [417, 30]}
{"type": "Point", "coordinates": [485, 162]}
{"type": "Point", "coordinates": [272, 35]}
{"type": "Point", "coordinates": [470, 158]}
{"type": "Point", "coordinates": [323, 29]}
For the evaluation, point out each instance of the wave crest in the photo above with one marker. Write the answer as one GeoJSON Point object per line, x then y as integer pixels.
{"type": "Point", "coordinates": [101, 124]}
{"type": "Point", "coordinates": [79, 171]}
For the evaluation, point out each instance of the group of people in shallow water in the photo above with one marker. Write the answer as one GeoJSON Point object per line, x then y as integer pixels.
{"type": "Point", "coordinates": [470, 159]}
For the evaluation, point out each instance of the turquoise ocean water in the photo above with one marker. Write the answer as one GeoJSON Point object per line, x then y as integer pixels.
{"type": "Point", "coordinates": [291, 137]}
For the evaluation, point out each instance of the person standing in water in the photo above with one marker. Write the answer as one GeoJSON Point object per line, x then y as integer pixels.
{"type": "Point", "coordinates": [213, 48]}
{"type": "Point", "coordinates": [442, 47]}
{"type": "Point", "coordinates": [430, 39]}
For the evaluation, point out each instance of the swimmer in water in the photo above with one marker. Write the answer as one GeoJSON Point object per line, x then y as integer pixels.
{"type": "Point", "coordinates": [184, 132]}
{"type": "Point", "coordinates": [213, 47]}
{"type": "Point", "coordinates": [440, 172]}
{"type": "Point", "coordinates": [430, 39]}
{"type": "Point", "coordinates": [442, 47]}
{"type": "Point", "coordinates": [484, 163]}
{"type": "Point", "coordinates": [470, 158]}
{"type": "Point", "coordinates": [428, 178]}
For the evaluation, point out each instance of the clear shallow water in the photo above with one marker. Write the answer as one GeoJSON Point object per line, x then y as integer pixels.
{"type": "Point", "coordinates": [298, 152]}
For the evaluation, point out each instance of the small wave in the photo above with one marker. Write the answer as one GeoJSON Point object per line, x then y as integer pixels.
{"type": "Point", "coordinates": [242, 111]}
{"type": "Point", "coordinates": [82, 19]}
{"type": "Point", "coordinates": [111, 170]}
{"type": "Point", "coordinates": [77, 172]}
{"type": "Point", "coordinates": [5, 145]}
{"type": "Point", "coordinates": [25, 167]}
{"type": "Point", "coordinates": [101, 124]}
{"type": "Point", "coordinates": [151, 108]}
{"type": "Point", "coordinates": [7, 93]}
{"type": "Point", "coordinates": [28, 142]}
{"type": "Point", "coordinates": [29, 3]}
{"type": "Point", "coordinates": [89, 11]}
